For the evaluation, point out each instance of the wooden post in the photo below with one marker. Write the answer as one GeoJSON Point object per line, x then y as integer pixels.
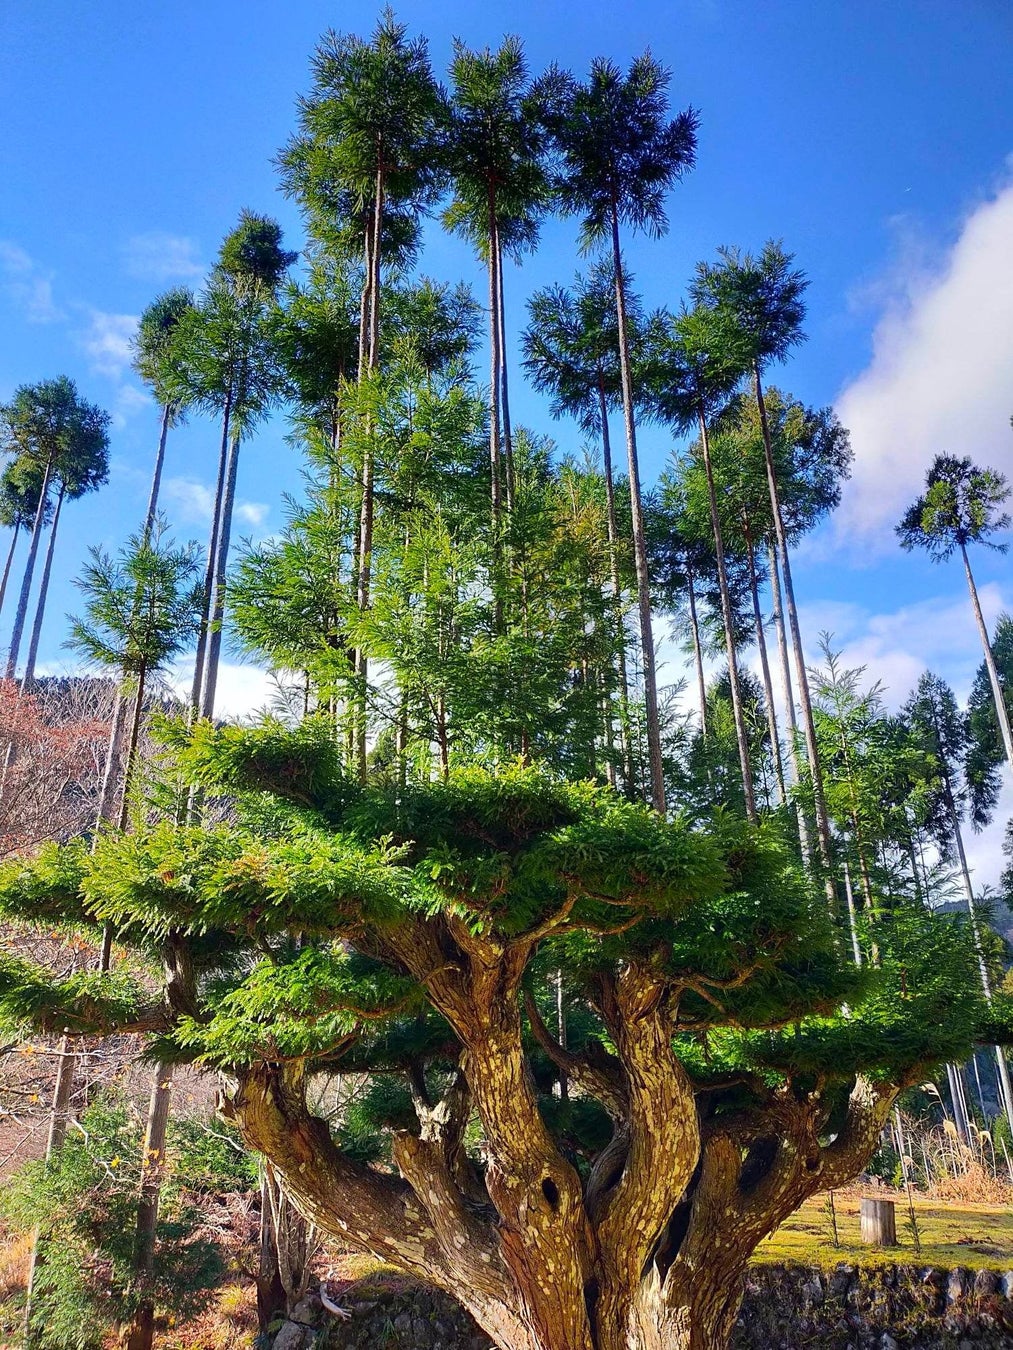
{"type": "Point", "coordinates": [879, 1222]}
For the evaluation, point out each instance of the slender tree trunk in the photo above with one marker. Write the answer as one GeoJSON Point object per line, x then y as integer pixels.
{"type": "Point", "coordinates": [271, 1301]}
{"type": "Point", "coordinates": [107, 796]}
{"type": "Point", "coordinates": [365, 550]}
{"type": "Point", "coordinates": [58, 1119]}
{"type": "Point", "coordinates": [960, 1118]}
{"type": "Point", "coordinates": [40, 604]}
{"type": "Point", "coordinates": [993, 674]}
{"type": "Point", "coordinates": [138, 1335]}
{"type": "Point", "coordinates": [777, 614]}
{"type": "Point", "coordinates": [15, 532]}
{"type": "Point", "coordinates": [612, 531]}
{"type": "Point", "coordinates": [1002, 1068]}
{"type": "Point", "coordinates": [768, 688]}
{"type": "Point", "coordinates": [365, 299]}
{"type": "Point", "coordinates": [26, 580]}
{"type": "Point", "coordinates": [131, 759]}
{"type": "Point", "coordinates": [495, 375]}
{"type": "Point", "coordinates": [639, 538]}
{"type": "Point", "coordinates": [214, 646]}
{"type": "Point", "coordinates": [209, 567]}
{"type": "Point", "coordinates": [726, 614]}
{"type": "Point", "coordinates": [156, 477]}
{"type": "Point", "coordinates": [694, 628]}
{"type": "Point", "coordinates": [856, 949]}
{"type": "Point", "coordinates": [805, 701]}
{"type": "Point", "coordinates": [508, 440]}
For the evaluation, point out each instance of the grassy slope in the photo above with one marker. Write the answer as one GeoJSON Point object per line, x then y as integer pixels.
{"type": "Point", "coordinates": [951, 1235]}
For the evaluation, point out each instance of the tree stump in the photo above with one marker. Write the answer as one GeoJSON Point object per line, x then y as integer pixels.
{"type": "Point", "coordinates": [879, 1222]}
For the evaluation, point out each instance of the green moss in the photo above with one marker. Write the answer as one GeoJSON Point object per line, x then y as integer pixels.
{"type": "Point", "coordinates": [979, 1237]}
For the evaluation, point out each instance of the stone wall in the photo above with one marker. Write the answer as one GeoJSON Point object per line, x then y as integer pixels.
{"type": "Point", "coordinates": [886, 1308]}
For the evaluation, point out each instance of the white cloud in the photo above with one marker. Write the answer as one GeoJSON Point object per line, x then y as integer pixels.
{"type": "Point", "coordinates": [193, 501]}
{"type": "Point", "coordinates": [160, 256]}
{"type": "Point", "coordinates": [252, 513]}
{"type": "Point", "coordinates": [242, 691]}
{"type": "Point", "coordinates": [108, 342]}
{"type": "Point", "coordinates": [896, 646]}
{"type": "Point", "coordinates": [128, 401]}
{"type": "Point", "coordinates": [985, 858]}
{"type": "Point", "coordinates": [939, 378]}
{"type": "Point", "coordinates": [29, 285]}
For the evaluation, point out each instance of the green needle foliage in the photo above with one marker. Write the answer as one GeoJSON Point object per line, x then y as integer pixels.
{"type": "Point", "coordinates": [961, 505]}
{"type": "Point", "coordinates": [400, 929]}
{"type": "Point", "coordinates": [141, 606]}
{"type": "Point", "coordinates": [82, 1202]}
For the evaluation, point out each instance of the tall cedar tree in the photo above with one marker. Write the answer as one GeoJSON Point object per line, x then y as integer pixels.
{"type": "Point", "coordinates": [49, 427]}
{"type": "Point", "coordinates": [571, 352]}
{"type": "Point", "coordinates": [620, 156]}
{"type": "Point", "coordinates": [934, 717]}
{"type": "Point", "coordinates": [764, 295]}
{"type": "Point", "coordinates": [962, 505]}
{"type": "Point", "coordinates": [500, 183]}
{"type": "Point", "coordinates": [697, 362]}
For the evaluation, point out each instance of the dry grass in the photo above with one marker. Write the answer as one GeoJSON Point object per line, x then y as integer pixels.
{"type": "Point", "coordinates": [230, 1323]}
{"type": "Point", "coordinates": [14, 1253]}
{"type": "Point", "coordinates": [974, 1235]}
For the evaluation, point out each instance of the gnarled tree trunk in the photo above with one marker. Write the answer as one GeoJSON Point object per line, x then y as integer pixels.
{"type": "Point", "coordinates": [649, 1252]}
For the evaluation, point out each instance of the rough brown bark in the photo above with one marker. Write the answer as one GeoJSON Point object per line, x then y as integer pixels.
{"type": "Point", "coordinates": [650, 1252]}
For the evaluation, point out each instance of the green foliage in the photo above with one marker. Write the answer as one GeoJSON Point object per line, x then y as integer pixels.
{"type": "Point", "coordinates": [251, 255]}
{"type": "Point", "coordinates": [620, 154]}
{"type": "Point", "coordinates": [962, 504]}
{"type": "Point", "coordinates": [374, 108]}
{"type": "Point", "coordinates": [50, 424]}
{"type": "Point", "coordinates": [983, 752]}
{"type": "Point", "coordinates": [495, 149]}
{"type": "Point", "coordinates": [142, 608]}
{"type": "Point", "coordinates": [154, 355]}
{"type": "Point", "coordinates": [83, 1203]}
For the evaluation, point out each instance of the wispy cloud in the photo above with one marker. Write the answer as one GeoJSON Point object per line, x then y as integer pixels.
{"type": "Point", "coordinates": [29, 285]}
{"type": "Point", "coordinates": [896, 646]}
{"type": "Point", "coordinates": [193, 501]}
{"type": "Point", "coordinates": [160, 256]}
{"type": "Point", "coordinates": [108, 342]}
{"type": "Point", "coordinates": [128, 401]}
{"type": "Point", "coordinates": [242, 691]}
{"type": "Point", "coordinates": [252, 513]}
{"type": "Point", "coordinates": [939, 378]}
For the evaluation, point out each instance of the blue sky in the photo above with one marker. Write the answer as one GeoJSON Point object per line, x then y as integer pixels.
{"type": "Point", "coordinates": [875, 139]}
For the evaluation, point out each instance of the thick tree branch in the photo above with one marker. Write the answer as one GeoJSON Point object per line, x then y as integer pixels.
{"type": "Point", "coordinates": [664, 1139]}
